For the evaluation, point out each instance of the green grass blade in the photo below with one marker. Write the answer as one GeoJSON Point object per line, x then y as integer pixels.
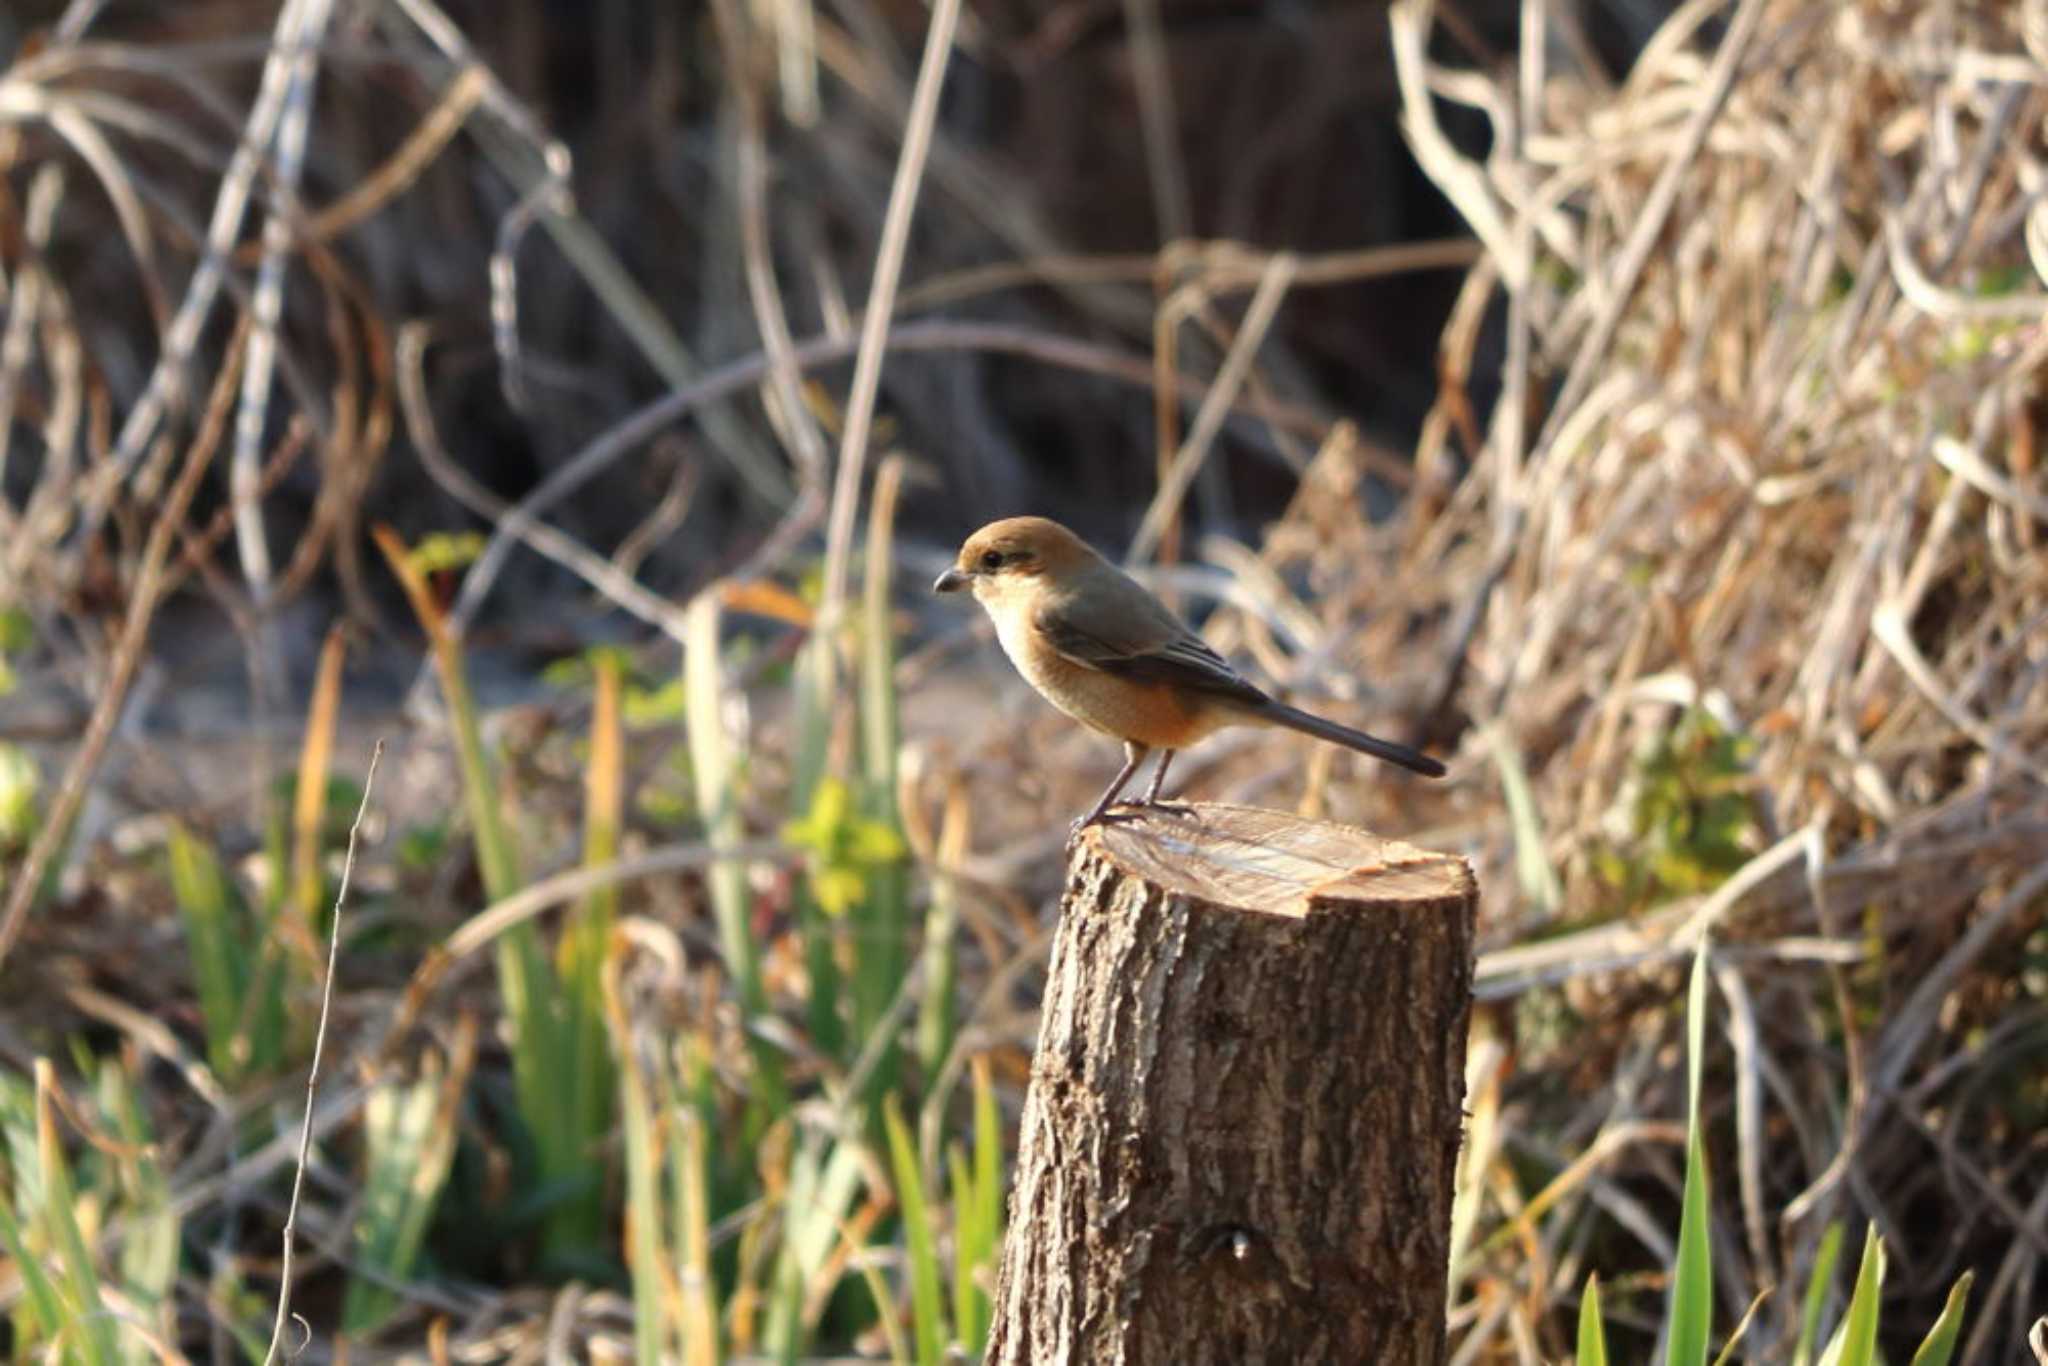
{"type": "Point", "coordinates": [1855, 1341]}
{"type": "Point", "coordinates": [1940, 1343]}
{"type": "Point", "coordinates": [214, 944]}
{"type": "Point", "coordinates": [1540, 884]}
{"type": "Point", "coordinates": [525, 979]}
{"type": "Point", "coordinates": [97, 1343]}
{"type": "Point", "coordinates": [878, 718]}
{"type": "Point", "coordinates": [1695, 1033]}
{"type": "Point", "coordinates": [643, 1204]}
{"type": "Point", "coordinates": [988, 1148]}
{"type": "Point", "coordinates": [22, 808]}
{"type": "Point", "coordinates": [968, 1251]}
{"type": "Point", "coordinates": [409, 1131]}
{"type": "Point", "coordinates": [885, 1312]}
{"type": "Point", "coordinates": [44, 1302]}
{"type": "Point", "coordinates": [819, 931]}
{"type": "Point", "coordinates": [265, 1034]}
{"type": "Point", "coordinates": [1692, 1292]}
{"type": "Point", "coordinates": [820, 1192]}
{"type": "Point", "coordinates": [984, 1214]}
{"type": "Point", "coordinates": [1592, 1327]}
{"type": "Point", "coordinates": [814, 682]}
{"type": "Point", "coordinates": [690, 1195]}
{"type": "Point", "coordinates": [149, 1252]}
{"type": "Point", "coordinates": [496, 856]}
{"type": "Point", "coordinates": [395, 1118]}
{"type": "Point", "coordinates": [21, 785]}
{"type": "Point", "coordinates": [575, 1224]}
{"type": "Point", "coordinates": [882, 927]}
{"type": "Point", "coordinates": [240, 1310]}
{"type": "Point", "coordinates": [935, 1021]}
{"type": "Point", "coordinates": [926, 1309]}
{"type": "Point", "coordinates": [1824, 1260]}
{"type": "Point", "coordinates": [714, 770]}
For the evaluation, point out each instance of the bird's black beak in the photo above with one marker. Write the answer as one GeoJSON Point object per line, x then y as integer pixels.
{"type": "Point", "coordinates": [952, 581]}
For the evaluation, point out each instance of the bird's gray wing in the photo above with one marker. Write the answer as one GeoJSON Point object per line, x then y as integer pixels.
{"type": "Point", "coordinates": [1143, 644]}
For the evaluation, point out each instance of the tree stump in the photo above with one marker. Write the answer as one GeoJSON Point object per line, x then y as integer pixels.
{"type": "Point", "coordinates": [1244, 1115]}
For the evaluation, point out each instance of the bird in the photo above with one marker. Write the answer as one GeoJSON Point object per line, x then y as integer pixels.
{"type": "Point", "coordinates": [1100, 647]}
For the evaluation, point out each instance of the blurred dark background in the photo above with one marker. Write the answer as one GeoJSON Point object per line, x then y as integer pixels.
{"type": "Point", "coordinates": [1285, 134]}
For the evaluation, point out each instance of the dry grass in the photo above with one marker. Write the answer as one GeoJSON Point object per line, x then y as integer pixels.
{"type": "Point", "coordinates": [1790, 483]}
{"type": "Point", "coordinates": [1718, 566]}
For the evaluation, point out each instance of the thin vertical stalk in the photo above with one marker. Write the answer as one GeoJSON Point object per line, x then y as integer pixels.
{"type": "Point", "coordinates": [881, 928]}
{"type": "Point", "coordinates": [935, 1023]}
{"type": "Point", "coordinates": [712, 764]}
{"type": "Point", "coordinates": [874, 329]}
{"type": "Point", "coordinates": [575, 1223]}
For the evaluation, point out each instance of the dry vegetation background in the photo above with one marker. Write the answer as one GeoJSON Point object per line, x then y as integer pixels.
{"type": "Point", "coordinates": [1638, 405]}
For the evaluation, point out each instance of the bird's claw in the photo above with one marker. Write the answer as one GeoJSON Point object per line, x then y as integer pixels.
{"type": "Point", "coordinates": [1122, 810]}
{"type": "Point", "coordinates": [1074, 832]}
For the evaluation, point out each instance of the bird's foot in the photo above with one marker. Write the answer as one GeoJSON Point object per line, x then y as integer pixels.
{"type": "Point", "coordinates": [1156, 806]}
{"type": "Point", "coordinates": [1129, 810]}
{"type": "Point", "coordinates": [1080, 827]}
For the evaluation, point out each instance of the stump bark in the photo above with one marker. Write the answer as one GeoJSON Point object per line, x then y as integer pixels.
{"type": "Point", "coordinates": [1244, 1114]}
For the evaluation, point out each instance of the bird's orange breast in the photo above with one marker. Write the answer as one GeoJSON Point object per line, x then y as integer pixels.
{"type": "Point", "coordinates": [1153, 714]}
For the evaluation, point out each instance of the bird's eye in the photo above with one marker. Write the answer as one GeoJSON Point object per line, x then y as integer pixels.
{"type": "Point", "coordinates": [991, 560]}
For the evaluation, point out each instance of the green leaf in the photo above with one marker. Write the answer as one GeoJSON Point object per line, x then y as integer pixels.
{"type": "Point", "coordinates": [873, 842]}
{"type": "Point", "coordinates": [844, 846]}
{"type": "Point", "coordinates": [421, 848]}
{"type": "Point", "coordinates": [1540, 885]}
{"type": "Point", "coordinates": [988, 1157]}
{"type": "Point", "coordinates": [655, 706]}
{"type": "Point", "coordinates": [838, 889]}
{"type": "Point", "coordinates": [967, 1249]}
{"type": "Point", "coordinates": [819, 827]}
{"type": "Point", "coordinates": [714, 767]}
{"type": "Point", "coordinates": [149, 1254]}
{"type": "Point", "coordinates": [43, 1298]}
{"type": "Point", "coordinates": [215, 944]}
{"type": "Point", "coordinates": [1692, 1292]}
{"type": "Point", "coordinates": [1592, 1328]}
{"type": "Point", "coordinates": [444, 550]}
{"type": "Point", "coordinates": [925, 1305]}
{"type": "Point", "coordinates": [80, 1283]}
{"type": "Point", "coordinates": [1824, 1260]}
{"type": "Point", "coordinates": [408, 1143]}
{"type": "Point", "coordinates": [20, 792]}
{"type": "Point", "coordinates": [17, 630]}
{"type": "Point", "coordinates": [1940, 1343]}
{"type": "Point", "coordinates": [821, 1188]}
{"type": "Point", "coordinates": [1855, 1341]}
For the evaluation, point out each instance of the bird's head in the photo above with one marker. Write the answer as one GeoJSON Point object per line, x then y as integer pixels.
{"type": "Point", "coordinates": [1014, 554]}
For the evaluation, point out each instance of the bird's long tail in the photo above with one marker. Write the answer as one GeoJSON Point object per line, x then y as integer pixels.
{"type": "Point", "coordinates": [1294, 718]}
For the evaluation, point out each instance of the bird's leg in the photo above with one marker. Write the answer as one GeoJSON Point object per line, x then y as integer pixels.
{"type": "Point", "coordinates": [1158, 778]}
{"type": "Point", "coordinates": [1134, 754]}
